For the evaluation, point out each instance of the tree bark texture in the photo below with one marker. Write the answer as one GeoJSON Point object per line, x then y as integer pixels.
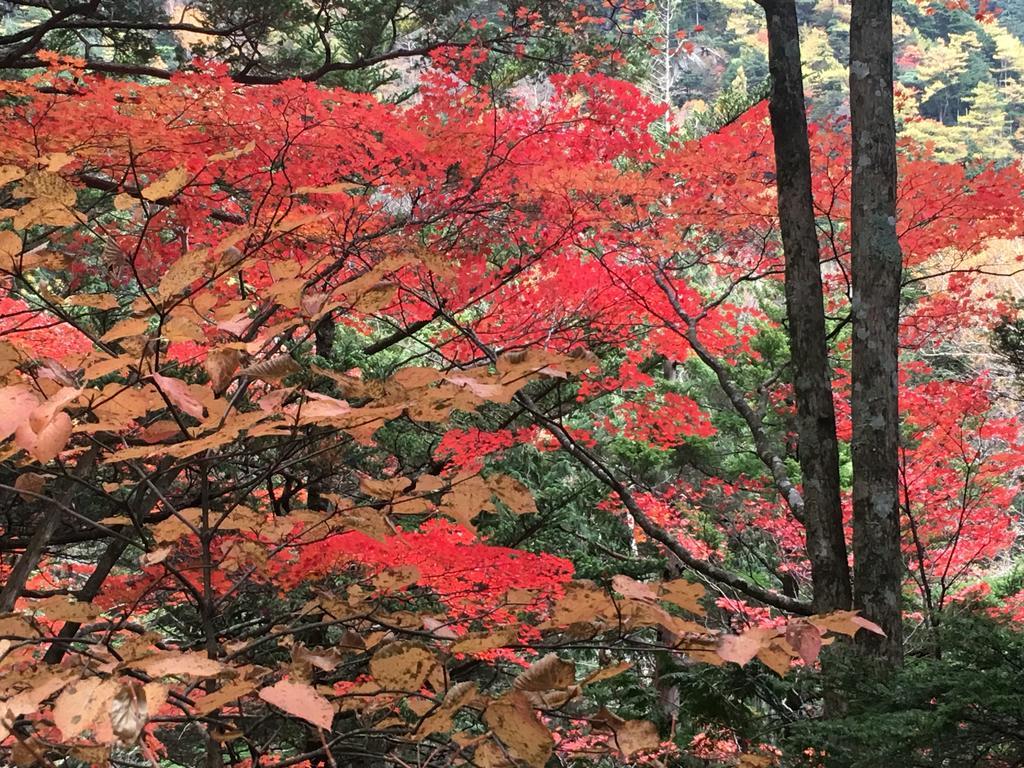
{"type": "Point", "coordinates": [876, 271]}
{"type": "Point", "coordinates": [816, 418]}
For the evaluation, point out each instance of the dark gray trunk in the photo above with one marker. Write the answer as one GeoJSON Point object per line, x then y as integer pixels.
{"type": "Point", "coordinates": [50, 521]}
{"type": "Point", "coordinates": [816, 419]}
{"type": "Point", "coordinates": [876, 269]}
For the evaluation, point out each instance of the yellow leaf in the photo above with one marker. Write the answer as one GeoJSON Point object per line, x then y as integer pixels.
{"type": "Point", "coordinates": [9, 173]}
{"type": "Point", "coordinates": [116, 520]}
{"type": "Point", "coordinates": [607, 672]}
{"type": "Point", "coordinates": [124, 202]}
{"type": "Point", "coordinates": [184, 271]}
{"type": "Point", "coordinates": [231, 154]}
{"type": "Point", "coordinates": [167, 185]}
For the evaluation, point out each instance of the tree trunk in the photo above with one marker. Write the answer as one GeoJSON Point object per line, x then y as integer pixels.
{"type": "Point", "coordinates": [816, 418]}
{"type": "Point", "coordinates": [876, 269]}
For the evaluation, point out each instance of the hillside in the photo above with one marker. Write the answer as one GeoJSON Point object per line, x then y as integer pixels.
{"type": "Point", "coordinates": [961, 79]}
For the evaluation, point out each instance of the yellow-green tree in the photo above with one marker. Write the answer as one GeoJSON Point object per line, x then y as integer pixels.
{"type": "Point", "coordinates": [985, 127]}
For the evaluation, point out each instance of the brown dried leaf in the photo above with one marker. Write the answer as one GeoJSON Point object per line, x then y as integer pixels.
{"type": "Point", "coordinates": [635, 590]}
{"type": "Point", "coordinates": [63, 608]}
{"type": "Point", "coordinates": [28, 752]}
{"type": "Point", "coordinates": [235, 689]}
{"type": "Point", "coordinates": [756, 761]}
{"type": "Point", "coordinates": [155, 557]}
{"type": "Point", "coordinates": [272, 370]}
{"type": "Point", "coordinates": [93, 300]}
{"type": "Point", "coordinates": [402, 666]}
{"type": "Point", "coordinates": [386, 488]}
{"type": "Point", "coordinates": [742, 648]}
{"type": "Point", "coordinates": [459, 695]}
{"type": "Point", "coordinates": [377, 297]}
{"type": "Point", "coordinates": [16, 403]}
{"type": "Point", "coordinates": [130, 326]}
{"type": "Point", "coordinates": [805, 639]}
{"type": "Point", "coordinates": [845, 623]}
{"type": "Point", "coordinates": [684, 594]}
{"type": "Point", "coordinates": [184, 271]}
{"type": "Point", "coordinates": [607, 673]}
{"type": "Point", "coordinates": [547, 673]}
{"type": "Point", "coordinates": [221, 365]}
{"type": "Point", "coordinates": [485, 641]}
{"type": "Point", "coordinates": [513, 721]}
{"type": "Point", "coordinates": [394, 579]}
{"type": "Point", "coordinates": [513, 494]}
{"type": "Point", "coordinates": [329, 189]}
{"type": "Point", "coordinates": [583, 602]}
{"type": "Point", "coordinates": [30, 485]}
{"type": "Point", "coordinates": [128, 712]}
{"type": "Point", "coordinates": [776, 657]}
{"type": "Point", "coordinates": [635, 736]}
{"type": "Point", "coordinates": [43, 185]}
{"type": "Point", "coordinates": [44, 445]}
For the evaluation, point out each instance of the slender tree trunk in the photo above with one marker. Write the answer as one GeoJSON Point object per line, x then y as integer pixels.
{"type": "Point", "coordinates": [48, 525]}
{"type": "Point", "coordinates": [876, 268]}
{"type": "Point", "coordinates": [816, 418]}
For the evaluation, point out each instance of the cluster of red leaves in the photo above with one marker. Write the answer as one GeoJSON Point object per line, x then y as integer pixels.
{"type": "Point", "coordinates": [470, 578]}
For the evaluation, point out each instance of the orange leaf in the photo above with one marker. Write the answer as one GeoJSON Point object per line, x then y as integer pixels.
{"type": "Point", "coordinates": [300, 700]}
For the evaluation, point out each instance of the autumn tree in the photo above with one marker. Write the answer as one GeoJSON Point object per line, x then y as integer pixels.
{"type": "Point", "coordinates": [270, 548]}
{"type": "Point", "coordinates": [348, 431]}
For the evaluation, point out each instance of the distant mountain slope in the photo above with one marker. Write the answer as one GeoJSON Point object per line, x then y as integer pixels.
{"type": "Point", "coordinates": [961, 80]}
